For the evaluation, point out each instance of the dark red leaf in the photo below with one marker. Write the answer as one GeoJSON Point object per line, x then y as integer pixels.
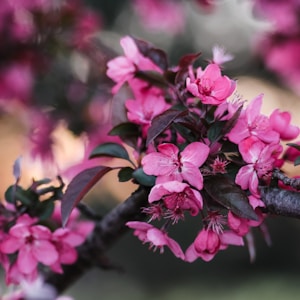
{"type": "Point", "coordinates": [188, 60]}
{"type": "Point", "coordinates": [79, 187]}
{"type": "Point", "coordinates": [225, 192]}
{"type": "Point", "coordinates": [161, 122]}
{"type": "Point", "coordinates": [157, 56]}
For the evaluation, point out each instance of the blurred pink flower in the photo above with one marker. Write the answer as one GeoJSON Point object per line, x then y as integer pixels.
{"type": "Point", "coordinates": [280, 122]}
{"type": "Point", "coordinates": [161, 15]}
{"type": "Point", "coordinates": [122, 68]}
{"type": "Point", "coordinates": [33, 244]}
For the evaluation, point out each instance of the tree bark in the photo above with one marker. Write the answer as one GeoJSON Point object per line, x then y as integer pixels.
{"type": "Point", "coordinates": [112, 226]}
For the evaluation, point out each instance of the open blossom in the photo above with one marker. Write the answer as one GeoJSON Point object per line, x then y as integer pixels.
{"type": "Point", "coordinates": [208, 243]}
{"type": "Point", "coordinates": [65, 242]}
{"type": "Point", "coordinates": [169, 164]}
{"type": "Point", "coordinates": [252, 123]}
{"type": "Point", "coordinates": [157, 238]}
{"type": "Point", "coordinates": [209, 85]}
{"type": "Point", "coordinates": [34, 246]}
{"type": "Point", "coordinates": [122, 68]}
{"type": "Point", "coordinates": [177, 197]}
{"type": "Point", "coordinates": [259, 159]}
{"type": "Point", "coordinates": [280, 122]}
{"type": "Point", "coordinates": [142, 110]}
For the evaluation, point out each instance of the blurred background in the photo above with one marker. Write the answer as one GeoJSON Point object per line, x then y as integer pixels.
{"type": "Point", "coordinates": [54, 108]}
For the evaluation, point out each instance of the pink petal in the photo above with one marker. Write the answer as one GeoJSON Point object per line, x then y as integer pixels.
{"type": "Point", "coordinates": [41, 232]}
{"type": "Point", "coordinates": [139, 225]}
{"type": "Point", "coordinates": [253, 109]}
{"type": "Point", "coordinates": [195, 153]}
{"type": "Point", "coordinates": [192, 175]}
{"type": "Point", "coordinates": [190, 254]}
{"type": "Point", "coordinates": [231, 238]}
{"type": "Point", "coordinates": [26, 261]}
{"type": "Point", "coordinates": [212, 71]}
{"type": "Point", "coordinates": [242, 177]}
{"type": "Point", "coordinates": [67, 255]}
{"type": "Point", "coordinates": [175, 248]}
{"type": "Point", "coordinates": [44, 252]}
{"type": "Point", "coordinates": [11, 244]}
{"type": "Point", "coordinates": [20, 231]}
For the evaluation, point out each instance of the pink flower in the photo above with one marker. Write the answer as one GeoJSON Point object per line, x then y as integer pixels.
{"type": "Point", "coordinates": [142, 110]}
{"type": "Point", "coordinates": [65, 242]}
{"type": "Point", "coordinates": [280, 122]}
{"type": "Point", "coordinates": [177, 197]}
{"type": "Point", "coordinates": [259, 159]}
{"type": "Point", "coordinates": [169, 164]}
{"type": "Point", "coordinates": [157, 238]}
{"type": "Point", "coordinates": [33, 244]}
{"type": "Point", "coordinates": [210, 86]}
{"type": "Point", "coordinates": [252, 123]}
{"type": "Point", "coordinates": [160, 15]}
{"type": "Point", "coordinates": [123, 68]}
{"type": "Point", "coordinates": [208, 243]}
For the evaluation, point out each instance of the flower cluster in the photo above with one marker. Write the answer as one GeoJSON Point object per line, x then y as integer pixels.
{"type": "Point", "coordinates": [201, 148]}
{"type": "Point", "coordinates": [31, 236]}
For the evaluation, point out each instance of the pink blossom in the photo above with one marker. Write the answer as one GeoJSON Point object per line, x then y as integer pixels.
{"type": "Point", "coordinates": [161, 15]}
{"type": "Point", "coordinates": [122, 68]}
{"type": "Point", "coordinates": [33, 244]}
{"type": "Point", "coordinates": [168, 164]}
{"type": "Point", "coordinates": [210, 86]}
{"type": "Point", "coordinates": [259, 159]}
{"type": "Point", "coordinates": [142, 110]}
{"type": "Point", "coordinates": [65, 242]}
{"type": "Point", "coordinates": [280, 122]}
{"type": "Point", "coordinates": [177, 197]}
{"type": "Point", "coordinates": [208, 243]}
{"type": "Point", "coordinates": [252, 123]}
{"type": "Point", "coordinates": [157, 238]}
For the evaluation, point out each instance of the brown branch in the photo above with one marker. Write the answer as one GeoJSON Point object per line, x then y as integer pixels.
{"type": "Point", "coordinates": [106, 232]}
{"type": "Point", "coordinates": [112, 226]}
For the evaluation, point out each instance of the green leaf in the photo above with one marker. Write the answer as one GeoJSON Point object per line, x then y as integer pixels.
{"type": "Point", "coordinates": [16, 193]}
{"type": "Point", "coordinates": [142, 178]}
{"type": "Point", "coordinates": [128, 132]}
{"type": "Point", "coordinates": [111, 150]}
{"type": "Point", "coordinates": [125, 174]}
{"type": "Point", "coordinates": [297, 161]}
{"type": "Point", "coordinates": [214, 132]}
{"type": "Point", "coordinates": [161, 122]}
{"type": "Point", "coordinates": [225, 192]}
{"type": "Point", "coordinates": [44, 209]}
{"type": "Point", "coordinates": [79, 187]}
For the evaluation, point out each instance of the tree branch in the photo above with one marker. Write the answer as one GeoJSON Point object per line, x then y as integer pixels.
{"type": "Point", "coordinates": [112, 226]}
{"type": "Point", "coordinates": [106, 232]}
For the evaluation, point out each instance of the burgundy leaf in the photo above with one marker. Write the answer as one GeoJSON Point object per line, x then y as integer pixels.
{"type": "Point", "coordinates": [225, 192]}
{"type": "Point", "coordinates": [161, 122]}
{"type": "Point", "coordinates": [79, 187]}
{"type": "Point", "coordinates": [157, 56]}
{"type": "Point", "coordinates": [188, 60]}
